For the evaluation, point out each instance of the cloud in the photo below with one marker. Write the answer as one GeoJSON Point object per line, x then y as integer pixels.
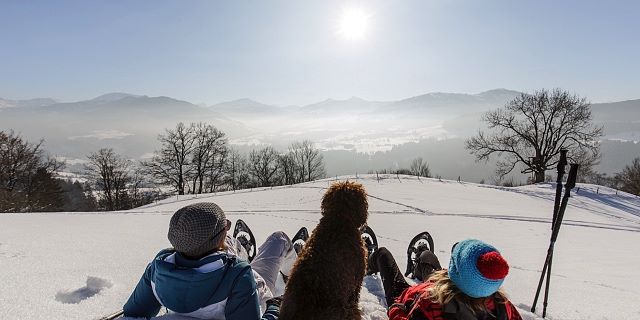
{"type": "Point", "coordinates": [103, 135]}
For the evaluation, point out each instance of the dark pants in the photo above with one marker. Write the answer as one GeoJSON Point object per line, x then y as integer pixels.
{"type": "Point", "coordinates": [392, 278]}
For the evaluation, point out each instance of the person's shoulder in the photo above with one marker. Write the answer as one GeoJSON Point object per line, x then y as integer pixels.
{"type": "Point", "coordinates": [415, 291]}
{"type": "Point", "coordinates": [512, 311]}
{"type": "Point", "coordinates": [152, 266]}
{"type": "Point", "coordinates": [238, 265]}
{"type": "Point", "coordinates": [164, 253]}
{"type": "Point", "coordinates": [421, 287]}
{"type": "Point", "coordinates": [240, 274]}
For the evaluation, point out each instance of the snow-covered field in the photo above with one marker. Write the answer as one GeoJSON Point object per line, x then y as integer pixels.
{"type": "Point", "coordinates": [83, 266]}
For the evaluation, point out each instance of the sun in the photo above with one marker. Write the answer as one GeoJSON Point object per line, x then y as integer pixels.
{"type": "Point", "coordinates": [354, 23]}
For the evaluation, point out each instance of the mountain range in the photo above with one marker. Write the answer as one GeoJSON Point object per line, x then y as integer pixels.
{"type": "Point", "coordinates": [130, 123]}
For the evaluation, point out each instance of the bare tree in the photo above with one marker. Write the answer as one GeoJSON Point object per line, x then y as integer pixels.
{"type": "Point", "coordinates": [110, 173]}
{"type": "Point", "coordinates": [314, 161]}
{"type": "Point", "coordinates": [216, 171]}
{"type": "Point", "coordinates": [20, 159]}
{"type": "Point", "coordinates": [297, 156]}
{"type": "Point", "coordinates": [77, 198]}
{"type": "Point", "coordinates": [45, 194]}
{"type": "Point", "coordinates": [209, 151]}
{"type": "Point", "coordinates": [629, 179]}
{"type": "Point", "coordinates": [587, 162]}
{"type": "Point", "coordinates": [531, 129]}
{"type": "Point", "coordinates": [420, 168]}
{"type": "Point", "coordinates": [287, 166]}
{"type": "Point", "coordinates": [171, 165]}
{"type": "Point", "coordinates": [136, 194]}
{"type": "Point", "coordinates": [26, 175]}
{"type": "Point", "coordinates": [263, 166]}
{"type": "Point", "coordinates": [237, 176]}
{"type": "Point", "coordinates": [308, 161]}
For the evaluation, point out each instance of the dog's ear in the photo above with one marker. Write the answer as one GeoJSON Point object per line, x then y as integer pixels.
{"type": "Point", "coordinates": [346, 201]}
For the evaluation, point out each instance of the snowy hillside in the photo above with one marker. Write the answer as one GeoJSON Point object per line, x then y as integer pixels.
{"type": "Point", "coordinates": [82, 266]}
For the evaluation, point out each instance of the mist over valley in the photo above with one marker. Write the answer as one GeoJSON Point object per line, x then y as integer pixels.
{"type": "Point", "coordinates": [355, 135]}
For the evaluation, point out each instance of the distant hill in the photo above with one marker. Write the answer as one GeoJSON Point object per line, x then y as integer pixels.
{"type": "Point", "coordinates": [38, 102]}
{"type": "Point", "coordinates": [331, 107]}
{"type": "Point", "coordinates": [622, 111]}
{"type": "Point", "coordinates": [129, 123]}
{"type": "Point", "coordinates": [114, 96]}
{"type": "Point", "coordinates": [245, 108]}
{"type": "Point", "coordinates": [451, 104]}
{"type": "Point", "coordinates": [447, 105]}
{"type": "Point", "coordinates": [621, 120]}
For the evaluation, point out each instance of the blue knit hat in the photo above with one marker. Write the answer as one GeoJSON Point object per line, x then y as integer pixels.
{"type": "Point", "coordinates": [477, 268]}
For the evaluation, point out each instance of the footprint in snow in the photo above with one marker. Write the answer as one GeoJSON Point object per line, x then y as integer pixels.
{"type": "Point", "coordinates": [94, 286]}
{"type": "Point", "coordinates": [8, 254]}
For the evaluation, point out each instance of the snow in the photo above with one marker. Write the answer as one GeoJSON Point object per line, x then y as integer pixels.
{"type": "Point", "coordinates": [84, 265]}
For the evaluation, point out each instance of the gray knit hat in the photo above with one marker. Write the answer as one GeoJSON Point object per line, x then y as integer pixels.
{"type": "Point", "coordinates": [191, 228]}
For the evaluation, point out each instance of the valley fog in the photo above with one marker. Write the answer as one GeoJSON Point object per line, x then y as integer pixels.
{"type": "Point", "coordinates": [354, 135]}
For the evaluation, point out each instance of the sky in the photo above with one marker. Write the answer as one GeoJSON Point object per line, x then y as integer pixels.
{"type": "Point", "coordinates": [296, 52]}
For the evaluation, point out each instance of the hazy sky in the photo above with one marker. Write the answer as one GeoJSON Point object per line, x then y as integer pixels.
{"type": "Point", "coordinates": [291, 52]}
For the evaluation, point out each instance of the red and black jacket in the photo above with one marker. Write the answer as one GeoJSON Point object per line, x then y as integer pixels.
{"type": "Point", "coordinates": [408, 307]}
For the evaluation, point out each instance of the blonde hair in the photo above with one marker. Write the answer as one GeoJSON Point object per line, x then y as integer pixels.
{"type": "Point", "coordinates": [443, 291]}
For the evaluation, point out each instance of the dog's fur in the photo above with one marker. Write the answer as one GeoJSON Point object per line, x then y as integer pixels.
{"type": "Point", "coordinates": [326, 279]}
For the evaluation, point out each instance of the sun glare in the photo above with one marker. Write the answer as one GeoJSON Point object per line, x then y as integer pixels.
{"type": "Point", "coordinates": [354, 23]}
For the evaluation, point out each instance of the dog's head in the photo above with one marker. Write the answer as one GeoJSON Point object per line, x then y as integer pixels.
{"type": "Point", "coordinates": [346, 201]}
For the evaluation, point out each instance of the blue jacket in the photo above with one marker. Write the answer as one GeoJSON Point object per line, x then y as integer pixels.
{"type": "Point", "coordinates": [218, 286]}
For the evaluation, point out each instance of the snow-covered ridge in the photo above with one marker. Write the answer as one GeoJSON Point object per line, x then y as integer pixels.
{"type": "Point", "coordinates": [79, 266]}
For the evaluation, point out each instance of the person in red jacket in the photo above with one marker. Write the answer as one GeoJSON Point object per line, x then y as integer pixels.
{"type": "Point", "coordinates": [468, 290]}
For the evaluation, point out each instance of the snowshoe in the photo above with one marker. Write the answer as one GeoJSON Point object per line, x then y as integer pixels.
{"type": "Point", "coordinates": [421, 242]}
{"type": "Point", "coordinates": [300, 239]}
{"type": "Point", "coordinates": [246, 238]}
{"type": "Point", "coordinates": [369, 238]}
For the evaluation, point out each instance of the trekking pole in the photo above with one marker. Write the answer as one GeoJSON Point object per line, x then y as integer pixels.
{"type": "Point", "coordinates": [571, 183]}
{"type": "Point", "coordinates": [546, 269]}
{"type": "Point", "coordinates": [561, 165]}
{"type": "Point", "coordinates": [113, 316]}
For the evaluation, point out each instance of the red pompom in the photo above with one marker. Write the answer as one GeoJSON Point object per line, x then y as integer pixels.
{"type": "Point", "coordinates": [493, 266]}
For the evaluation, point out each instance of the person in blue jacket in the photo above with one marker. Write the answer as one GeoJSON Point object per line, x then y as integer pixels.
{"type": "Point", "coordinates": [203, 277]}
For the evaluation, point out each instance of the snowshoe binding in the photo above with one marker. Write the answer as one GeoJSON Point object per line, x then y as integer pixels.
{"type": "Point", "coordinates": [369, 238]}
{"type": "Point", "coordinates": [300, 239]}
{"type": "Point", "coordinates": [246, 238]}
{"type": "Point", "coordinates": [421, 242]}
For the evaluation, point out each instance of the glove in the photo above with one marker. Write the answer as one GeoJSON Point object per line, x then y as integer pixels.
{"type": "Point", "coordinates": [275, 301]}
{"type": "Point", "coordinates": [273, 309]}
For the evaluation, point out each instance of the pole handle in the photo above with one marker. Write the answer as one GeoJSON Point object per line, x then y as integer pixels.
{"type": "Point", "coordinates": [562, 163]}
{"type": "Point", "coordinates": [571, 179]}
{"type": "Point", "coordinates": [563, 160]}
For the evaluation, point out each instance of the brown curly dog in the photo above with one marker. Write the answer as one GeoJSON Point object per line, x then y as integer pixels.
{"type": "Point", "coordinates": [326, 279]}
